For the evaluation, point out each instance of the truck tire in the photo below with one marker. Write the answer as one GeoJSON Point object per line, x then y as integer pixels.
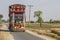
{"type": "Point", "coordinates": [23, 30]}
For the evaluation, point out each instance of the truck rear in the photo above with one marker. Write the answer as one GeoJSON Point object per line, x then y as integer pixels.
{"type": "Point", "coordinates": [17, 17]}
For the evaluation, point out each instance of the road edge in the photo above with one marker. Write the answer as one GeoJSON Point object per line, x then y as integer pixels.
{"type": "Point", "coordinates": [40, 36]}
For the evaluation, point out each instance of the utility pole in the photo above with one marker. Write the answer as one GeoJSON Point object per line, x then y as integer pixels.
{"type": "Point", "coordinates": [29, 12]}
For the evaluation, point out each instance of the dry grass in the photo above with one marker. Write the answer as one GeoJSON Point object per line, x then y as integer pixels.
{"type": "Point", "coordinates": [45, 32]}
{"type": "Point", "coordinates": [4, 36]}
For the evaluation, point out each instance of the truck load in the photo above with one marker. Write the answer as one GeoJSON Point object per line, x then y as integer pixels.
{"type": "Point", "coordinates": [17, 17]}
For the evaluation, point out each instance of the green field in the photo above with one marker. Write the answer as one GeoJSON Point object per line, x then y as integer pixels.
{"type": "Point", "coordinates": [52, 30]}
{"type": "Point", "coordinates": [45, 25]}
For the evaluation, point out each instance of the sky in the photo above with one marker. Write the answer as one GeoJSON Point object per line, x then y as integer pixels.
{"type": "Point", "coordinates": [50, 8]}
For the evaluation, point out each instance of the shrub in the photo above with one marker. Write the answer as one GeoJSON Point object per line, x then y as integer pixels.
{"type": "Point", "coordinates": [56, 32]}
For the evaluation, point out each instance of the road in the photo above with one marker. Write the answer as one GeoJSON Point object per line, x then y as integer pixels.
{"type": "Point", "coordinates": [24, 36]}
{"type": "Point", "coordinates": [20, 35]}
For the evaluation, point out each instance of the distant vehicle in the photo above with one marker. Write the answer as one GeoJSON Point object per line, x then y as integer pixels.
{"type": "Point", "coordinates": [17, 17]}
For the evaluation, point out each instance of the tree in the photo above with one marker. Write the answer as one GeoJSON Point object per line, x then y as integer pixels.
{"type": "Point", "coordinates": [38, 15]}
{"type": "Point", "coordinates": [31, 21]}
{"type": "Point", "coordinates": [3, 20]}
{"type": "Point", "coordinates": [50, 21]}
{"type": "Point", "coordinates": [1, 16]}
{"type": "Point", "coordinates": [56, 21]}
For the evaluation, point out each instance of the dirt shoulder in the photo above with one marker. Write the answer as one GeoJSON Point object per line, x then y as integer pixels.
{"type": "Point", "coordinates": [40, 35]}
{"type": "Point", "coordinates": [5, 36]}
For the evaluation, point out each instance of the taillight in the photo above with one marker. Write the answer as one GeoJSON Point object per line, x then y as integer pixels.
{"type": "Point", "coordinates": [15, 27]}
{"type": "Point", "coordinates": [22, 27]}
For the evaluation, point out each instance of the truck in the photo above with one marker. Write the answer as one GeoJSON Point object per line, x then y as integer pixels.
{"type": "Point", "coordinates": [17, 17]}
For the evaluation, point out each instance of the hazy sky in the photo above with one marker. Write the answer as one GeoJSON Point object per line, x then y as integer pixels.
{"type": "Point", "coordinates": [50, 8]}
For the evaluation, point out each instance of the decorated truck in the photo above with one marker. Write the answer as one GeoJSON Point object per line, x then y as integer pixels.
{"type": "Point", "coordinates": [17, 17]}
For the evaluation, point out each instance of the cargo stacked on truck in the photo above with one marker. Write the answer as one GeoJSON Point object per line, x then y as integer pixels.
{"type": "Point", "coordinates": [17, 17]}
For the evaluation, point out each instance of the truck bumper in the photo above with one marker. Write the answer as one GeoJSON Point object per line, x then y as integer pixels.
{"type": "Point", "coordinates": [17, 29]}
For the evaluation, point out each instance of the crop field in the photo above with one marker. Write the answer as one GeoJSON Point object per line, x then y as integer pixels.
{"type": "Point", "coordinates": [44, 25]}
{"type": "Point", "coordinates": [52, 29]}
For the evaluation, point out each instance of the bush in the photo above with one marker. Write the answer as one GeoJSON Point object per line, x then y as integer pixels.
{"type": "Point", "coordinates": [56, 32]}
{"type": "Point", "coordinates": [31, 21]}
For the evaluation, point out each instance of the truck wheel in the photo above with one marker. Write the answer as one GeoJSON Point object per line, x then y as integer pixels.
{"type": "Point", "coordinates": [23, 30]}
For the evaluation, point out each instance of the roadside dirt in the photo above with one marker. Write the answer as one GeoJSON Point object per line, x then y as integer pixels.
{"type": "Point", "coordinates": [41, 36]}
{"type": "Point", "coordinates": [5, 34]}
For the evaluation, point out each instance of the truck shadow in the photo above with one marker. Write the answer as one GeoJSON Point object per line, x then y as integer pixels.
{"type": "Point", "coordinates": [8, 31]}
{"type": "Point", "coordinates": [4, 30]}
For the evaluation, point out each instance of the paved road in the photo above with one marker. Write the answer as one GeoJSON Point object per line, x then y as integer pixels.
{"type": "Point", "coordinates": [24, 36]}
{"type": "Point", "coordinates": [21, 35]}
